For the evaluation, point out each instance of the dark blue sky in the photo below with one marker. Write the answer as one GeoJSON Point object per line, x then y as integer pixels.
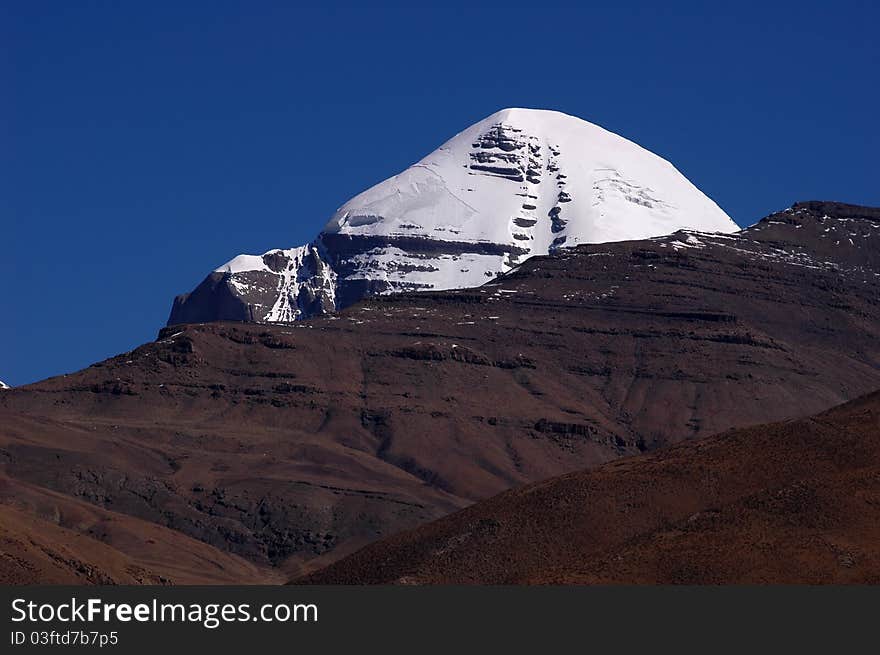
{"type": "Point", "coordinates": [142, 147]}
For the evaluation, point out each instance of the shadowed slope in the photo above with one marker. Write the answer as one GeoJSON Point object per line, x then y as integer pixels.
{"type": "Point", "coordinates": [794, 502]}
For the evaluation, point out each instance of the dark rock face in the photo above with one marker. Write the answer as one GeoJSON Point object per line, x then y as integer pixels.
{"type": "Point", "coordinates": [212, 300]}
{"type": "Point", "coordinates": [278, 262]}
{"type": "Point", "coordinates": [293, 284]}
{"type": "Point", "coordinates": [289, 444]}
{"type": "Point", "coordinates": [512, 163]}
{"type": "Point", "coordinates": [319, 279]}
{"type": "Point", "coordinates": [343, 253]}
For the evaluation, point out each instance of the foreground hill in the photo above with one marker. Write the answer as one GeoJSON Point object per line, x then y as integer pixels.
{"type": "Point", "coordinates": [792, 502]}
{"type": "Point", "coordinates": [288, 446]}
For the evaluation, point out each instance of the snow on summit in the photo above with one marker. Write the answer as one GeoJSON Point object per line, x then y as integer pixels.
{"type": "Point", "coordinates": [524, 164]}
{"type": "Point", "coordinates": [520, 182]}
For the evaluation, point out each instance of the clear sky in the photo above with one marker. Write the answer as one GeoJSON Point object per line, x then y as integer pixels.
{"type": "Point", "coordinates": [143, 144]}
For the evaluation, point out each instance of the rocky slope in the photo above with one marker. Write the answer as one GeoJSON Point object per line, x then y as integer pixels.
{"type": "Point", "coordinates": [287, 446]}
{"type": "Point", "coordinates": [519, 183]}
{"type": "Point", "coordinates": [793, 502]}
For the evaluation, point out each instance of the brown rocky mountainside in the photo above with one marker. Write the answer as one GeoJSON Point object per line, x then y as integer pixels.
{"type": "Point", "coordinates": [253, 452]}
{"type": "Point", "coordinates": [792, 502]}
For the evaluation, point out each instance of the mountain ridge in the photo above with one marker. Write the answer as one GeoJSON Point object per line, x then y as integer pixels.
{"type": "Point", "coordinates": [289, 445]}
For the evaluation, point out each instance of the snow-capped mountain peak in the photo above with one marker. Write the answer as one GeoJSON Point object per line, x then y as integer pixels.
{"type": "Point", "coordinates": [507, 177]}
{"type": "Point", "coordinates": [518, 183]}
